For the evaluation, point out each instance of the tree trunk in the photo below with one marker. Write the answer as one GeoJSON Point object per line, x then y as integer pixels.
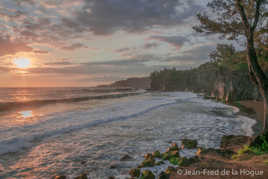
{"type": "Point", "coordinates": [257, 76]}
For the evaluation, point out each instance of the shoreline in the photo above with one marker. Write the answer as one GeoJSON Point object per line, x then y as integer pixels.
{"type": "Point", "coordinates": [233, 144]}
{"type": "Point", "coordinates": [252, 109]}
{"type": "Point", "coordinates": [176, 116]}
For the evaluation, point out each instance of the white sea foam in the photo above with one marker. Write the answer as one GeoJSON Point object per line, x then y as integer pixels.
{"type": "Point", "coordinates": [15, 138]}
{"type": "Point", "coordinates": [100, 136]}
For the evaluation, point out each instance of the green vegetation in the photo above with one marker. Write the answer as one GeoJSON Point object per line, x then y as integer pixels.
{"type": "Point", "coordinates": [147, 174]}
{"type": "Point", "coordinates": [241, 152]}
{"type": "Point", "coordinates": [236, 19]}
{"type": "Point", "coordinates": [258, 147]}
{"type": "Point", "coordinates": [174, 160]}
{"type": "Point", "coordinates": [266, 162]}
{"type": "Point", "coordinates": [189, 144]}
{"type": "Point", "coordinates": [225, 76]}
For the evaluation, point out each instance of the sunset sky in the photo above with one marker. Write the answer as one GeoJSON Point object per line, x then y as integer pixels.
{"type": "Point", "coordinates": [93, 42]}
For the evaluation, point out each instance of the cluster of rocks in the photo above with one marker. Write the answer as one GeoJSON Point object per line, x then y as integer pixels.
{"type": "Point", "coordinates": [229, 146]}
{"type": "Point", "coordinates": [172, 154]}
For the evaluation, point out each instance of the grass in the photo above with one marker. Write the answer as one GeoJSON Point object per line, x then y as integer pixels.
{"type": "Point", "coordinates": [261, 148]}
{"type": "Point", "coordinates": [266, 162]}
{"type": "Point", "coordinates": [241, 152]}
{"type": "Point", "coordinates": [258, 149]}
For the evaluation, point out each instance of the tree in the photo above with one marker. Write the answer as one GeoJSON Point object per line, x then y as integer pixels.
{"type": "Point", "coordinates": [238, 20]}
{"type": "Point", "coordinates": [222, 52]}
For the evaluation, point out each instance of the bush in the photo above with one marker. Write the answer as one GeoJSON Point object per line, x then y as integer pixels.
{"type": "Point", "coordinates": [260, 145]}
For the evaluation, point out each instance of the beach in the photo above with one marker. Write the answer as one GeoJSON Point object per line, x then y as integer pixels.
{"type": "Point", "coordinates": [96, 138]}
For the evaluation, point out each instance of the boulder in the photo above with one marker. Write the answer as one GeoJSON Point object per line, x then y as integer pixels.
{"type": "Point", "coordinates": [189, 144]}
{"type": "Point", "coordinates": [150, 162]}
{"type": "Point", "coordinates": [60, 177]}
{"type": "Point", "coordinates": [159, 163]}
{"type": "Point", "coordinates": [185, 162]}
{"type": "Point", "coordinates": [163, 175]}
{"type": "Point", "coordinates": [166, 155]}
{"type": "Point", "coordinates": [83, 176]}
{"type": "Point", "coordinates": [147, 174]}
{"type": "Point", "coordinates": [260, 140]}
{"type": "Point", "coordinates": [232, 142]}
{"type": "Point", "coordinates": [126, 158]}
{"type": "Point", "coordinates": [135, 172]}
{"type": "Point", "coordinates": [170, 170]}
{"type": "Point", "coordinates": [148, 156]}
{"type": "Point", "coordinates": [174, 160]}
{"type": "Point", "coordinates": [218, 152]}
{"type": "Point", "coordinates": [173, 147]}
{"type": "Point", "coordinates": [156, 154]}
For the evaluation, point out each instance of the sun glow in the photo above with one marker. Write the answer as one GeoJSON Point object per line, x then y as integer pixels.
{"type": "Point", "coordinates": [22, 63]}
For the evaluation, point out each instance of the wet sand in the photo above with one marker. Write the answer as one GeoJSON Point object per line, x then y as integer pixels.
{"type": "Point", "coordinates": [257, 106]}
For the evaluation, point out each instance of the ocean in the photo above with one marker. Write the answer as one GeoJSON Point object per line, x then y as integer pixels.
{"type": "Point", "coordinates": [68, 131]}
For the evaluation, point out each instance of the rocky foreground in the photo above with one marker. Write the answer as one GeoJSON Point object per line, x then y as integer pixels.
{"type": "Point", "coordinates": [233, 159]}
{"type": "Point", "coordinates": [227, 162]}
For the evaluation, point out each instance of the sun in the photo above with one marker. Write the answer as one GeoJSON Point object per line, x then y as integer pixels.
{"type": "Point", "coordinates": [22, 63]}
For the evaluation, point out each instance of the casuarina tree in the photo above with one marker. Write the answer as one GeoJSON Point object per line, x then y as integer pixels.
{"type": "Point", "coordinates": [245, 21]}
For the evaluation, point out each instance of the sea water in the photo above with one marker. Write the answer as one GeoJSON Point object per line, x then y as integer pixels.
{"type": "Point", "coordinates": [90, 136]}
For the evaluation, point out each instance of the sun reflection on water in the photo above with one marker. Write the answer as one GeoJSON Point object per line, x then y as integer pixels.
{"type": "Point", "coordinates": [26, 114]}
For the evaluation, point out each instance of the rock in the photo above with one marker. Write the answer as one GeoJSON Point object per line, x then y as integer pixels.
{"type": "Point", "coordinates": [169, 154]}
{"type": "Point", "coordinates": [232, 142]}
{"type": "Point", "coordinates": [175, 153]}
{"type": "Point", "coordinates": [189, 144]}
{"type": "Point", "coordinates": [126, 158]}
{"type": "Point", "coordinates": [60, 177]}
{"type": "Point", "coordinates": [135, 172]}
{"type": "Point", "coordinates": [111, 177]}
{"type": "Point", "coordinates": [148, 156]}
{"type": "Point", "coordinates": [83, 162]}
{"type": "Point", "coordinates": [147, 174]}
{"type": "Point", "coordinates": [174, 160]}
{"type": "Point", "coordinates": [163, 175]}
{"type": "Point", "coordinates": [157, 154]}
{"type": "Point", "coordinates": [83, 176]}
{"type": "Point", "coordinates": [150, 162]}
{"type": "Point", "coordinates": [259, 140]}
{"type": "Point", "coordinates": [113, 166]}
{"type": "Point", "coordinates": [219, 152]}
{"type": "Point", "coordinates": [170, 170]}
{"type": "Point", "coordinates": [166, 155]}
{"type": "Point", "coordinates": [159, 163]}
{"type": "Point", "coordinates": [185, 162]}
{"type": "Point", "coordinates": [173, 147]}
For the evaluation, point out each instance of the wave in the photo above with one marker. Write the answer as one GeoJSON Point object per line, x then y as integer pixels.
{"type": "Point", "coordinates": [5, 106]}
{"type": "Point", "coordinates": [67, 122]}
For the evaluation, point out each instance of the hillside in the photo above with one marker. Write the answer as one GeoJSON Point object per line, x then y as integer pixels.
{"type": "Point", "coordinates": [135, 83]}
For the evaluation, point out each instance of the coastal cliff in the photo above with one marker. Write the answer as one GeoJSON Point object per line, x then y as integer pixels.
{"type": "Point", "coordinates": [225, 77]}
{"type": "Point", "coordinates": [134, 83]}
{"type": "Point", "coordinates": [220, 83]}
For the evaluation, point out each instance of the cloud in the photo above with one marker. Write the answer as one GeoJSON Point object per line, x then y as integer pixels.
{"type": "Point", "coordinates": [101, 17]}
{"type": "Point", "coordinates": [108, 16]}
{"type": "Point", "coordinates": [40, 51]}
{"type": "Point", "coordinates": [151, 45]}
{"type": "Point", "coordinates": [53, 22]}
{"type": "Point", "coordinates": [74, 46]}
{"type": "Point", "coordinates": [64, 24]}
{"type": "Point", "coordinates": [59, 63]}
{"type": "Point", "coordinates": [122, 50]}
{"type": "Point", "coordinates": [195, 57]}
{"type": "Point", "coordinates": [11, 47]}
{"type": "Point", "coordinates": [176, 41]}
